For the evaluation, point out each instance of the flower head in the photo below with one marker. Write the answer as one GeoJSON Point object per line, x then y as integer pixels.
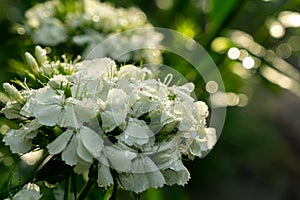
{"type": "Point", "coordinates": [46, 25]}
{"type": "Point", "coordinates": [122, 118]}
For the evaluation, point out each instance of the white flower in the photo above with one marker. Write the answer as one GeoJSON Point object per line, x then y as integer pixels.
{"type": "Point", "coordinates": [117, 157]}
{"type": "Point", "coordinates": [58, 82]}
{"type": "Point", "coordinates": [144, 174]}
{"type": "Point", "coordinates": [211, 137]}
{"type": "Point", "coordinates": [19, 140]}
{"type": "Point", "coordinates": [37, 14]}
{"type": "Point", "coordinates": [93, 78]}
{"type": "Point", "coordinates": [28, 192]}
{"type": "Point", "coordinates": [52, 109]}
{"type": "Point", "coordinates": [187, 118]}
{"type": "Point", "coordinates": [105, 178]}
{"type": "Point", "coordinates": [51, 32]}
{"type": "Point", "coordinates": [131, 73]}
{"type": "Point", "coordinates": [47, 25]}
{"type": "Point", "coordinates": [12, 110]}
{"type": "Point", "coordinates": [96, 69]}
{"type": "Point", "coordinates": [176, 173]}
{"type": "Point", "coordinates": [200, 111]}
{"type": "Point", "coordinates": [200, 141]}
{"type": "Point", "coordinates": [77, 146]}
{"type": "Point", "coordinates": [136, 127]}
{"type": "Point", "coordinates": [146, 97]}
{"type": "Point", "coordinates": [137, 134]}
{"type": "Point", "coordinates": [116, 109]}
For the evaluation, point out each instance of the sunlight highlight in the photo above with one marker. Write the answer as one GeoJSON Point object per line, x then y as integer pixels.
{"type": "Point", "coordinates": [233, 53]}
{"type": "Point", "coordinates": [280, 79]}
{"type": "Point", "coordinates": [277, 30]}
{"type": "Point", "coordinates": [248, 63]}
{"type": "Point", "coordinates": [211, 86]}
{"type": "Point", "coordinates": [32, 157]}
{"type": "Point", "coordinates": [232, 99]}
{"type": "Point", "coordinates": [290, 19]}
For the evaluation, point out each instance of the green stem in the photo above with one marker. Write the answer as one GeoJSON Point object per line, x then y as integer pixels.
{"type": "Point", "coordinates": [227, 19]}
{"type": "Point", "coordinates": [86, 189]}
{"type": "Point", "coordinates": [115, 187]}
{"type": "Point", "coordinates": [138, 196]}
{"type": "Point", "coordinates": [67, 189]}
{"type": "Point", "coordinates": [74, 185]}
{"type": "Point", "coordinates": [135, 196]}
{"type": "Point", "coordinates": [91, 182]}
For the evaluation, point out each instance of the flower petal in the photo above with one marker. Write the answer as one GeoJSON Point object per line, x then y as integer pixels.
{"type": "Point", "coordinates": [12, 110]}
{"type": "Point", "coordinates": [69, 154]}
{"type": "Point", "coordinates": [211, 137]}
{"type": "Point", "coordinates": [116, 109]}
{"type": "Point", "coordinates": [16, 141]}
{"type": "Point", "coordinates": [91, 141]}
{"type": "Point", "coordinates": [60, 143]}
{"type": "Point", "coordinates": [137, 133]}
{"type": "Point", "coordinates": [120, 159]}
{"type": "Point", "coordinates": [144, 174]}
{"type": "Point", "coordinates": [28, 192]}
{"type": "Point", "coordinates": [176, 174]}
{"type": "Point", "coordinates": [83, 153]}
{"type": "Point", "coordinates": [47, 107]}
{"type": "Point", "coordinates": [105, 178]}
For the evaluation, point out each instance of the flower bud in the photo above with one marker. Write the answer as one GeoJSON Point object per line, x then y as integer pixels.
{"type": "Point", "coordinates": [32, 63]}
{"type": "Point", "coordinates": [40, 54]}
{"type": "Point", "coordinates": [14, 93]}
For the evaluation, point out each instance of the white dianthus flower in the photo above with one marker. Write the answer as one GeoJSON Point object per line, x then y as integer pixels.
{"type": "Point", "coordinates": [122, 118]}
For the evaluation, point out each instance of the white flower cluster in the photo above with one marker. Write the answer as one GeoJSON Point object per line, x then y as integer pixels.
{"type": "Point", "coordinates": [123, 118]}
{"type": "Point", "coordinates": [85, 26]}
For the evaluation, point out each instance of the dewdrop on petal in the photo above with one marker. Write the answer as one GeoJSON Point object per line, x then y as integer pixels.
{"type": "Point", "coordinates": [14, 93]}
{"type": "Point", "coordinates": [32, 62]}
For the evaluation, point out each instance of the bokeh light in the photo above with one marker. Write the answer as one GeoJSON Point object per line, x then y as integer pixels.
{"type": "Point", "coordinates": [248, 63]}
{"type": "Point", "coordinates": [277, 30]}
{"type": "Point", "coordinates": [32, 157]}
{"type": "Point", "coordinates": [165, 4]}
{"type": "Point", "coordinates": [211, 86]}
{"type": "Point", "coordinates": [289, 19]}
{"type": "Point", "coordinates": [233, 53]}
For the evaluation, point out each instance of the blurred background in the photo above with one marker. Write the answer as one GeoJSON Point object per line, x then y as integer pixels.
{"type": "Point", "coordinates": [256, 46]}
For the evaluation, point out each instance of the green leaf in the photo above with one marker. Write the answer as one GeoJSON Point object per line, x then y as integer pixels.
{"type": "Point", "coordinates": [222, 9]}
